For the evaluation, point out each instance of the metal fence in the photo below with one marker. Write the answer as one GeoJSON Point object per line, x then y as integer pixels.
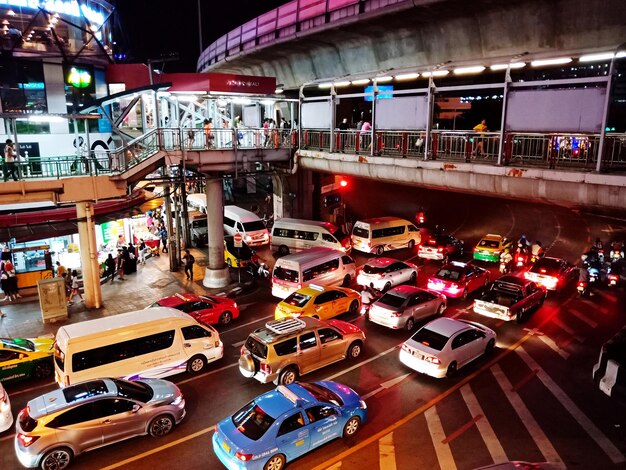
{"type": "Point", "coordinates": [551, 150]}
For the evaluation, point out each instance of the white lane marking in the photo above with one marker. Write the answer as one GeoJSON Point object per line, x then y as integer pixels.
{"type": "Point", "coordinates": [603, 442]}
{"type": "Point", "coordinates": [245, 324]}
{"type": "Point", "coordinates": [536, 433]}
{"type": "Point", "coordinates": [385, 385]}
{"type": "Point", "coordinates": [444, 454]}
{"type": "Point", "coordinates": [584, 318]}
{"type": "Point", "coordinates": [337, 466]}
{"type": "Point", "coordinates": [191, 379]}
{"type": "Point", "coordinates": [567, 329]}
{"type": "Point", "coordinates": [484, 427]}
{"type": "Point", "coordinates": [552, 345]}
{"type": "Point", "coordinates": [238, 344]}
{"type": "Point", "coordinates": [610, 377]}
{"type": "Point", "coordinates": [508, 234]}
{"type": "Point", "coordinates": [360, 364]}
{"type": "Point", "coordinates": [462, 311]}
{"type": "Point", "coordinates": [462, 223]}
{"type": "Point", "coordinates": [6, 438]}
{"type": "Point", "coordinates": [37, 387]}
{"type": "Point", "coordinates": [387, 452]}
{"type": "Point", "coordinates": [558, 232]}
{"type": "Point", "coordinates": [594, 307]}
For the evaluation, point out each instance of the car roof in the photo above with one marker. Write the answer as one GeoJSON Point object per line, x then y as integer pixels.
{"type": "Point", "coordinates": [493, 236]}
{"type": "Point", "coordinates": [277, 401]}
{"type": "Point", "coordinates": [405, 291]}
{"type": "Point", "coordinates": [267, 336]}
{"type": "Point", "coordinates": [381, 262]}
{"type": "Point", "coordinates": [178, 299]}
{"type": "Point", "coordinates": [447, 326]}
{"type": "Point", "coordinates": [314, 291]}
{"type": "Point", "coordinates": [83, 392]}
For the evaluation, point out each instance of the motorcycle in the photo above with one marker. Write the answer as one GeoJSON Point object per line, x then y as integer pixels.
{"type": "Point", "coordinates": [520, 260]}
{"type": "Point", "coordinates": [616, 256]}
{"type": "Point", "coordinates": [582, 288]}
{"type": "Point", "coordinates": [258, 269]}
{"type": "Point", "coordinates": [612, 279]}
{"type": "Point", "coordinates": [594, 275]}
{"type": "Point", "coordinates": [505, 268]}
{"type": "Point", "coordinates": [365, 308]}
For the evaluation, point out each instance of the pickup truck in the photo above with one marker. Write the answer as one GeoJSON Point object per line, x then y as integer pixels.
{"type": "Point", "coordinates": [509, 298]}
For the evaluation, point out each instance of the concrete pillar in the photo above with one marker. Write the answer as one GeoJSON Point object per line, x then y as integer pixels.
{"type": "Point", "coordinates": [216, 273]}
{"type": "Point", "coordinates": [89, 255]}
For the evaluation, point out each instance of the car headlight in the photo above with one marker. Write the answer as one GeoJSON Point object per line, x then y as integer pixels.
{"type": "Point", "coordinates": [363, 405]}
{"type": "Point", "coordinates": [177, 401]}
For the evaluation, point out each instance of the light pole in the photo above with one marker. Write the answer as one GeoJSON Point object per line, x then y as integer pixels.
{"type": "Point", "coordinates": [199, 27]}
{"type": "Point", "coordinates": [607, 103]}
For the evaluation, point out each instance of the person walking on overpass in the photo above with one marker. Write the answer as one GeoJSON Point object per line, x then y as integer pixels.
{"type": "Point", "coordinates": [9, 167]}
{"type": "Point", "coordinates": [481, 128]}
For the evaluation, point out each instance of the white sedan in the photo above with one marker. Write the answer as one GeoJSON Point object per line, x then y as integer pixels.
{"type": "Point", "coordinates": [385, 273]}
{"type": "Point", "coordinates": [444, 345]}
{"type": "Point", "coordinates": [6, 417]}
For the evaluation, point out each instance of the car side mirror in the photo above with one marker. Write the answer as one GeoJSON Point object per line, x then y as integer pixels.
{"type": "Point", "coordinates": [136, 408]}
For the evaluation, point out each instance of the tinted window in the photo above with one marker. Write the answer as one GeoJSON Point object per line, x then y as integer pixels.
{"type": "Point", "coordinates": [361, 232]}
{"type": "Point", "coordinates": [297, 300]}
{"type": "Point", "coordinates": [392, 300]}
{"type": "Point", "coordinates": [327, 335]}
{"type": "Point", "coordinates": [229, 222]}
{"type": "Point", "coordinates": [134, 390]}
{"type": "Point", "coordinates": [8, 356]}
{"type": "Point", "coordinates": [450, 273]}
{"type": "Point", "coordinates": [324, 297]}
{"type": "Point", "coordinates": [367, 269]}
{"type": "Point", "coordinates": [413, 228]}
{"type": "Point", "coordinates": [110, 407]}
{"type": "Point", "coordinates": [119, 351]}
{"type": "Point", "coordinates": [290, 424]}
{"type": "Point", "coordinates": [80, 414]}
{"type": "Point", "coordinates": [346, 260]}
{"type": "Point", "coordinates": [489, 244]}
{"type": "Point", "coordinates": [195, 332]}
{"type": "Point", "coordinates": [321, 393]}
{"type": "Point", "coordinates": [308, 341]}
{"type": "Point", "coordinates": [430, 338]}
{"type": "Point", "coordinates": [321, 269]}
{"type": "Point", "coordinates": [254, 226]}
{"type": "Point", "coordinates": [286, 274]}
{"type": "Point", "coordinates": [328, 238]}
{"type": "Point", "coordinates": [239, 227]}
{"type": "Point", "coordinates": [548, 266]}
{"type": "Point", "coordinates": [255, 347]}
{"type": "Point", "coordinates": [84, 390]}
{"type": "Point", "coordinates": [388, 232]}
{"type": "Point", "coordinates": [463, 338]}
{"type": "Point", "coordinates": [289, 346]}
{"type": "Point", "coordinates": [252, 421]}
{"type": "Point", "coordinates": [59, 357]}
{"type": "Point", "coordinates": [202, 223]}
{"type": "Point", "coordinates": [316, 413]}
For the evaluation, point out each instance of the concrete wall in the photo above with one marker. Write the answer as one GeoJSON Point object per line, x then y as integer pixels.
{"type": "Point", "coordinates": [431, 33]}
{"type": "Point", "coordinates": [554, 186]}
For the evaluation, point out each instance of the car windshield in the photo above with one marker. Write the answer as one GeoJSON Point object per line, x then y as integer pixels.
{"type": "Point", "coordinates": [200, 223]}
{"type": "Point", "coordinates": [430, 338]}
{"type": "Point", "coordinates": [297, 299]}
{"type": "Point", "coordinates": [134, 390]}
{"type": "Point", "coordinates": [450, 274]}
{"type": "Point", "coordinates": [545, 266]}
{"type": "Point", "coordinates": [252, 421]}
{"type": "Point", "coordinates": [361, 232]}
{"type": "Point", "coordinates": [254, 226]}
{"type": "Point", "coordinates": [392, 300]}
{"type": "Point", "coordinates": [321, 393]}
{"type": "Point", "coordinates": [18, 343]}
{"type": "Point", "coordinates": [286, 274]}
{"type": "Point", "coordinates": [368, 269]}
{"type": "Point", "coordinates": [489, 244]}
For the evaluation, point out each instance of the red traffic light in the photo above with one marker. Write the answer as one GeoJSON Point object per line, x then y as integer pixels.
{"type": "Point", "coordinates": [343, 184]}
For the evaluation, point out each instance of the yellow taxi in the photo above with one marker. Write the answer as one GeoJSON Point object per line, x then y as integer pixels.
{"type": "Point", "coordinates": [237, 257]}
{"type": "Point", "coordinates": [490, 247]}
{"type": "Point", "coordinates": [319, 302]}
{"type": "Point", "coordinates": [22, 358]}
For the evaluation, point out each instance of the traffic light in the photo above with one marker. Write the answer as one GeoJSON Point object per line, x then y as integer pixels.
{"type": "Point", "coordinates": [343, 183]}
{"type": "Point", "coordinates": [332, 200]}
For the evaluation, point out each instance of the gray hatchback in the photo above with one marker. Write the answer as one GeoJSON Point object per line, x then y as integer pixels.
{"type": "Point", "coordinates": [57, 426]}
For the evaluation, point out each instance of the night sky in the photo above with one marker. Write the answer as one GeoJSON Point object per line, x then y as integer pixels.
{"type": "Point", "coordinates": [146, 29]}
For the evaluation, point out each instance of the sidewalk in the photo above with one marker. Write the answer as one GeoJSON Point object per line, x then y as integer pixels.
{"type": "Point", "coordinates": [150, 283]}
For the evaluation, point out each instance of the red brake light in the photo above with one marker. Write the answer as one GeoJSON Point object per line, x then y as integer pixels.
{"type": "Point", "coordinates": [397, 314]}
{"type": "Point", "coordinates": [243, 457]}
{"type": "Point", "coordinates": [432, 359]}
{"type": "Point", "coordinates": [581, 283]}
{"type": "Point", "coordinates": [520, 258]}
{"type": "Point", "coordinates": [243, 350]}
{"type": "Point", "coordinates": [476, 249]}
{"type": "Point", "coordinates": [542, 270]}
{"type": "Point", "coordinates": [26, 440]}
{"type": "Point", "coordinates": [613, 277]}
{"type": "Point", "coordinates": [406, 348]}
{"type": "Point", "coordinates": [266, 368]}
{"type": "Point", "coordinates": [440, 249]}
{"type": "Point", "coordinates": [67, 380]}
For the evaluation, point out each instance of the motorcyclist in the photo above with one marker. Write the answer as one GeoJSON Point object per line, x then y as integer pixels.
{"type": "Point", "coordinates": [524, 243]}
{"type": "Point", "coordinates": [598, 245]}
{"type": "Point", "coordinates": [537, 250]}
{"type": "Point", "coordinates": [617, 250]}
{"type": "Point", "coordinates": [505, 261]}
{"type": "Point", "coordinates": [420, 216]}
{"type": "Point", "coordinates": [438, 230]}
{"type": "Point", "coordinates": [368, 295]}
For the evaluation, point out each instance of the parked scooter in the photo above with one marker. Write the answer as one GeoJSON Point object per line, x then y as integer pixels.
{"type": "Point", "coordinates": [258, 269]}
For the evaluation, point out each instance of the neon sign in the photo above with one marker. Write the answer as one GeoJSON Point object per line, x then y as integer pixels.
{"type": "Point", "coordinates": [79, 78]}
{"type": "Point", "coordinates": [62, 7]}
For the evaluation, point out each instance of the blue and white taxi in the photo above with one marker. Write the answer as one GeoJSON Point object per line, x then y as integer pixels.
{"type": "Point", "coordinates": [286, 423]}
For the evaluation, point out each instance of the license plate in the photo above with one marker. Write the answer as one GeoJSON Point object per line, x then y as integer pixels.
{"type": "Point", "coordinates": [226, 447]}
{"type": "Point", "coordinates": [485, 252]}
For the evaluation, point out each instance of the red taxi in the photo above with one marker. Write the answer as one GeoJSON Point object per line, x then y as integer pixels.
{"type": "Point", "coordinates": [210, 310]}
{"type": "Point", "coordinates": [457, 279]}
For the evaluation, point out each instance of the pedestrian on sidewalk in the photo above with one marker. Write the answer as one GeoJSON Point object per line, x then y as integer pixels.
{"type": "Point", "coordinates": [120, 264]}
{"type": "Point", "coordinates": [163, 234]}
{"type": "Point", "coordinates": [110, 265]}
{"type": "Point", "coordinates": [189, 262]}
{"type": "Point", "coordinates": [60, 269]}
{"type": "Point", "coordinates": [75, 288]}
{"type": "Point", "coordinates": [68, 285]}
{"type": "Point", "coordinates": [142, 251]}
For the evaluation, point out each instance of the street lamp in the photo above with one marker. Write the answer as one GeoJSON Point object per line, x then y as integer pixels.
{"type": "Point", "coordinates": [607, 102]}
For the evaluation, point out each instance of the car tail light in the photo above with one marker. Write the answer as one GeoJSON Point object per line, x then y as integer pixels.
{"type": "Point", "coordinates": [542, 270]}
{"type": "Point", "coordinates": [25, 439]}
{"type": "Point", "coordinates": [243, 350]}
{"type": "Point", "coordinates": [613, 277]}
{"type": "Point", "coordinates": [265, 368]}
{"type": "Point", "coordinates": [440, 249]}
{"type": "Point", "coordinates": [405, 348]}
{"type": "Point", "coordinates": [3, 396]}
{"type": "Point", "coordinates": [520, 259]}
{"type": "Point", "coordinates": [581, 283]}
{"type": "Point", "coordinates": [497, 253]}
{"type": "Point", "coordinates": [397, 314]}
{"type": "Point", "coordinates": [67, 380]}
{"type": "Point", "coordinates": [476, 250]}
{"type": "Point", "coordinates": [243, 457]}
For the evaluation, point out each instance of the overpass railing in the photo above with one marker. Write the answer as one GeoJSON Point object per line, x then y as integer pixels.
{"type": "Point", "coordinates": [550, 150]}
{"type": "Point", "coordinates": [119, 160]}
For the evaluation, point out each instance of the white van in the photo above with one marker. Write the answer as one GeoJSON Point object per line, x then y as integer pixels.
{"type": "Point", "coordinates": [383, 234]}
{"type": "Point", "coordinates": [298, 234]}
{"type": "Point", "coordinates": [196, 201]}
{"type": "Point", "coordinates": [152, 343]}
{"type": "Point", "coordinates": [199, 228]}
{"type": "Point", "coordinates": [320, 266]}
{"type": "Point", "coordinates": [238, 220]}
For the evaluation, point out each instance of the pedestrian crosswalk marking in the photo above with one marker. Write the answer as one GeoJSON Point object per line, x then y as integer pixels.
{"type": "Point", "coordinates": [484, 427]}
{"type": "Point", "coordinates": [535, 431]}
{"type": "Point", "coordinates": [444, 454]}
{"type": "Point", "coordinates": [584, 318]}
{"type": "Point", "coordinates": [387, 452]}
{"type": "Point", "coordinates": [605, 444]}
{"type": "Point", "coordinates": [552, 345]}
{"type": "Point", "coordinates": [567, 329]}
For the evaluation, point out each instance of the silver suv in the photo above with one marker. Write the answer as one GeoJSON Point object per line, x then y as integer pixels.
{"type": "Point", "coordinates": [57, 426]}
{"type": "Point", "coordinates": [285, 349]}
